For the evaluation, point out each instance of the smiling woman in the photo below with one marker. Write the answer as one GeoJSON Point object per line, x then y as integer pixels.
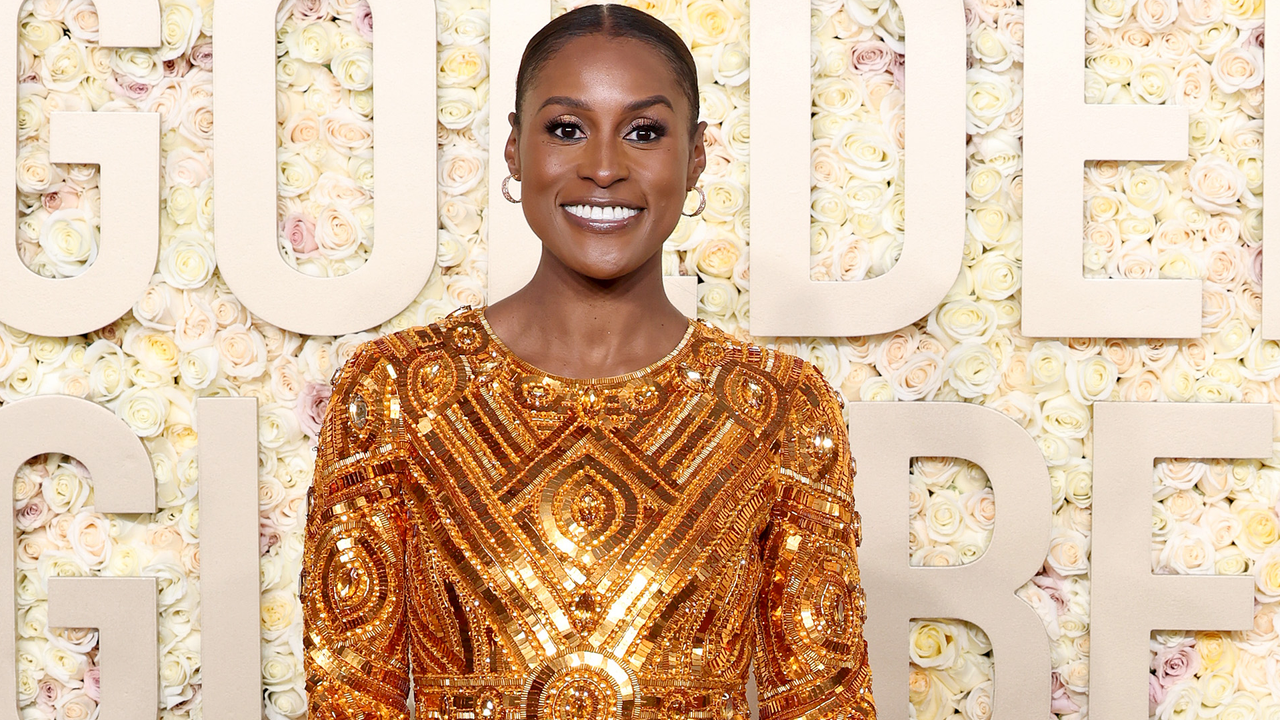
{"type": "Point", "coordinates": [577, 503]}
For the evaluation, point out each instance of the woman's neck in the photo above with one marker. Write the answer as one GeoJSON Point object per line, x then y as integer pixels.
{"type": "Point", "coordinates": [577, 326]}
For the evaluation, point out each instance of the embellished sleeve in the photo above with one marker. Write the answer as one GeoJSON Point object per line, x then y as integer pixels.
{"type": "Point", "coordinates": [811, 656]}
{"type": "Point", "coordinates": [355, 641]}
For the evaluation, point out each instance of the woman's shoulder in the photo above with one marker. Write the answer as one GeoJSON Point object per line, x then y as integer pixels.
{"type": "Point", "coordinates": [786, 370]}
{"type": "Point", "coordinates": [455, 333]}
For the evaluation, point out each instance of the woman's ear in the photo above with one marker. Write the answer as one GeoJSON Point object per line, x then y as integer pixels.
{"type": "Point", "coordinates": [512, 150]}
{"type": "Point", "coordinates": [698, 157]}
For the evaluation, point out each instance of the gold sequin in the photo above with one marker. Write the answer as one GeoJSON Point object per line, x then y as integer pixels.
{"type": "Point", "coordinates": [540, 547]}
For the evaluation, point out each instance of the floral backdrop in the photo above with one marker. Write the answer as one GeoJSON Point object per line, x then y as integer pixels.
{"type": "Point", "coordinates": [189, 337]}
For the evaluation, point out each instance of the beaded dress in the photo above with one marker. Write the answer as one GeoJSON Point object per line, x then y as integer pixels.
{"type": "Point", "coordinates": [537, 546]}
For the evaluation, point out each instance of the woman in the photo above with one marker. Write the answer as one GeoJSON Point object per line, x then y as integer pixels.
{"type": "Point", "coordinates": [576, 503]}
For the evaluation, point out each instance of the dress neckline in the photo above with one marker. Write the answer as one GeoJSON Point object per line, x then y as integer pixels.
{"type": "Point", "coordinates": [649, 369]}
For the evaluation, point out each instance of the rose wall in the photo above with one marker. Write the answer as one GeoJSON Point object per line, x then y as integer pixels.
{"type": "Point", "coordinates": [189, 337]}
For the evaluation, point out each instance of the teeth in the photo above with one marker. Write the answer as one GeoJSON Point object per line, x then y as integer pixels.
{"type": "Point", "coordinates": [596, 212]}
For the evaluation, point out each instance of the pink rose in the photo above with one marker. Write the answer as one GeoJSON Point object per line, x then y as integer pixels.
{"type": "Point", "coordinates": [362, 18]}
{"type": "Point", "coordinates": [127, 86]}
{"type": "Point", "coordinates": [202, 56]}
{"type": "Point", "coordinates": [312, 402]}
{"type": "Point", "coordinates": [47, 693]}
{"type": "Point", "coordinates": [64, 197]}
{"type": "Point", "coordinates": [34, 514]}
{"type": "Point", "coordinates": [1254, 38]}
{"type": "Point", "coordinates": [899, 70]}
{"type": "Point", "coordinates": [1053, 588]}
{"type": "Point", "coordinates": [176, 67]}
{"type": "Point", "coordinates": [1176, 663]}
{"type": "Point", "coordinates": [92, 680]}
{"type": "Point", "coordinates": [268, 535]}
{"type": "Point", "coordinates": [1061, 702]}
{"type": "Point", "coordinates": [311, 10]}
{"type": "Point", "coordinates": [871, 56]}
{"type": "Point", "coordinates": [1255, 263]}
{"type": "Point", "coordinates": [300, 231]}
{"type": "Point", "coordinates": [1155, 694]}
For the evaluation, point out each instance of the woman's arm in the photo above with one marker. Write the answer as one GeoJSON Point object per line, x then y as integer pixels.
{"type": "Point", "coordinates": [354, 588]}
{"type": "Point", "coordinates": [811, 657]}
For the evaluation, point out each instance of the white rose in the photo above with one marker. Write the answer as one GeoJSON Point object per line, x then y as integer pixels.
{"type": "Point", "coordinates": [460, 168]}
{"type": "Point", "coordinates": [944, 517]}
{"type": "Point", "coordinates": [295, 174]}
{"type": "Point", "coordinates": [972, 369]}
{"type": "Point", "coordinates": [338, 233]}
{"type": "Point", "coordinates": [242, 350]}
{"type": "Point", "coordinates": [285, 704]}
{"type": "Point", "coordinates": [937, 644]}
{"type": "Point", "coordinates": [460, 215]}
{"type": "Point", "coordinates": [198, 367]}
{"type": "Point", "coordinates": [1092, 379]}
{"type": "Point", "coordinates": [63, 65]}
{"type": "Point", "coordinates": [730, 64]}
{"type": "Point", "coordinates": [1109, 13]}
{"type": "Point", "coordinates": [457, 107]}
{"type": "Point", "coordinates": [69, 240]}
{"type": "Point", "coordinates": [353, 67]}
{"type": "Point", "coordinates": [154, 349]}
{"type": "Point", "coordinates": [869, 149]}
{"type": "Point", "coordinates": [1237, 68]}
{"type": "Point", "coordinates": [917, 377]}
{"type": "Point", "coordinates": [188, 261]}
{"type": "Point", "coordinates": [462, 65]}
{"type": "Point", "coordinates": [877, 389]}
{"type": "Point", "coordinates": [180, 24]}
{"type": "Point", "coordinates": [91, 539]}
{"type": "Point", "coordinates": [347, 130]}
{"type": "Point", "coordinates": [1217, 185]}
{"type": "Point", "coordinates": [1068, 552]}
{"type": "Point", "coordinates": [280, 670]}
{"type": "Point", "coordinates": [1188, 550]}
{"type": "Point", "coordinates": [278, 611]}
{"type": "Point", "coordinates": [312, 42]}
{"type": "Point", "coordinates": [143, 409]}
{"type": "Point", "coordinates": [989, 98]}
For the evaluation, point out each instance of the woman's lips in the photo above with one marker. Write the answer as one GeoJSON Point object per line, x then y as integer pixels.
{"type": "Point", "coordinates": [601, 225]}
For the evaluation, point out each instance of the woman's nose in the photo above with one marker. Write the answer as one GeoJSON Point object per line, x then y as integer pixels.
{"type": "Point", "coordinates": [603, 162]}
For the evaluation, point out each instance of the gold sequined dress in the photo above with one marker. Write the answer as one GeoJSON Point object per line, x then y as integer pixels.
{"type": "Point", "coordinates": [542, 547]}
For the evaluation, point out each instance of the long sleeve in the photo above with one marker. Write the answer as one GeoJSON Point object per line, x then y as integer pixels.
{"type": "Point", "coordinates": [811, 656]}
{"type": "Point", "coordinates": [354, 588]}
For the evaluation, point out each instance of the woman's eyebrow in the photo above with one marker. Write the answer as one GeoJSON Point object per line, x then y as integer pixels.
{"type": "Point", "coordinates": [576, 104]}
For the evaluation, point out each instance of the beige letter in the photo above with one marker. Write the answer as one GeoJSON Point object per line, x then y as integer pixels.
{"type": "Point", "coordinates": [1128, 601]}
{"type": "Point", "coordinates": [123, 482]}
{"type": "Point", "coordinates": [127, 147]}
{"type": "Point", "coordinates": [245, 233]}
{"type": "Point", "coordinates": [230, 644]}
{"type": "Point", "coordinates": [884, 437]}
{"type": "Point", "coordinates": [782, 295]}
{"type": "Point", "coordinates": [123, 609]}
{"type": "Point", "coordinates": [513, 248]}
{"type": "Point", "coordinates": [1060, 133]}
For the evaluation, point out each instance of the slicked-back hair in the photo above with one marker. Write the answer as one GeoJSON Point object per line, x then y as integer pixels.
{"type": "Point", "coordinates": [612, 21]}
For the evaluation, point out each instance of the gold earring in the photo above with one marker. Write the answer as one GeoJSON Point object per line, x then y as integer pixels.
{"type": "Point", "coordinates": [702, 203]}
{"type": "Point", "coordinates": [506, 192]}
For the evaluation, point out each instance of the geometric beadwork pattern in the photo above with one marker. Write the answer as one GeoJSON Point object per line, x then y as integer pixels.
{"type": "Point", "coordinates": [537, 546]}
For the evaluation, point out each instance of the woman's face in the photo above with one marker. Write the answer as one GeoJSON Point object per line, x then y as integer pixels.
{"type": "Point", "coordinates": [604, 155]}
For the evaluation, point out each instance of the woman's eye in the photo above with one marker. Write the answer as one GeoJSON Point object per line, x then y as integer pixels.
{"type": "Point", "coordinates": [645, 133]}
{"type": "Point", "coordinates": [566, 131]}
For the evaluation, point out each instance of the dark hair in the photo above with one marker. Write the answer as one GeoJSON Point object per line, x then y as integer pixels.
{"type": "Point", "coordinates": [614, 21]}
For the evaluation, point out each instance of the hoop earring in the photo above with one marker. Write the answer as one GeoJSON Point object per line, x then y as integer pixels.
{"type": "Point", "coordinates": [506, 192]}
{"type": "Point", "coordinates": [702, 203]}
